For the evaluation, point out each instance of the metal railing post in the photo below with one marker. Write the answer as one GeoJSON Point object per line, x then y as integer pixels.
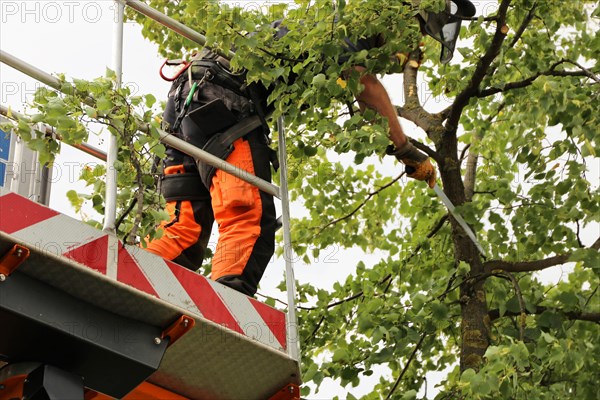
{"type": "Point", "coordinates": [293, 342]}
{"type": "Point", "coordinates": [110, 198]}
{"type": "Point", "coordinates": [110, 211]}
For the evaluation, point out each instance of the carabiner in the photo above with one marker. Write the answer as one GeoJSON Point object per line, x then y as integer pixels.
{"type": "Point", "coordinates": [183, 66]}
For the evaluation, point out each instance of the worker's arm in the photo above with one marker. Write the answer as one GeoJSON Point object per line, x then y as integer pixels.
{"type": "Point", "coordinates": [375, 97]}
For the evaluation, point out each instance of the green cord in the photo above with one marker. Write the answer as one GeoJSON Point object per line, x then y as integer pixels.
{"type": "Point", "coordinates": [192, 91]}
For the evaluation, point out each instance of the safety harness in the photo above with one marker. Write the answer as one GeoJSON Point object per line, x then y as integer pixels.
{"type": "Point", "coordinates": [218, 127]}
{"type": "Point", "coordinates": [215, 68]}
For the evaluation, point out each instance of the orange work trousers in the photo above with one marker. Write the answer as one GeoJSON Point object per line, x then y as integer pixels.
{"type": "Point", "coordinates": [245, 217]}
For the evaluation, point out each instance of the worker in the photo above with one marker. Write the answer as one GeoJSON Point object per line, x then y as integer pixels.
{"type": "Point", "coordinates": [214, 109]}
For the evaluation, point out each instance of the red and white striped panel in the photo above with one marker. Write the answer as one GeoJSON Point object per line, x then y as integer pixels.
{"type": "Point", "coordinates": [49, 231]}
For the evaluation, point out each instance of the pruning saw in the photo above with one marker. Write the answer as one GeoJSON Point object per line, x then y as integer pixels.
{"type": "Point", "coordinates": [440, 193]}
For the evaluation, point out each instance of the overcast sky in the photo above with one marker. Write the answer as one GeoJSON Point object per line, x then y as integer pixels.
{"type": "Point", "coordinates": [75, 38]}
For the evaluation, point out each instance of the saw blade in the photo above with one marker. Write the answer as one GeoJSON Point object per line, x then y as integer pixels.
{"type": "Point", "coordinates": [438, 190]}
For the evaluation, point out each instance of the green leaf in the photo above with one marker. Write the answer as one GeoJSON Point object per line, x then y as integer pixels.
{"type": "Point", "coordinates": [104, 104]}
{"type": "Point", "coordinates": [468, 375]}
{"type": "Point", "coordinates": [550, 319]}
{"type": "Point", "coordinates": [75, 200]}
{"type": "Point", "coordinates": [310, 151]}
{"type": "Point", "coordinates": [440, 310]}
{"type": "Point", "coordinates": [319, 80]}
{"type": "Point", "coordinates": [340, 355]}
{"type": "Point", "coordinates": [548, 338]}
{"type": "Point", "coordinates": [568, 300]}
{"type": "Point", "coordinates": [150, 100]}
{"type": "Point", "coordinates": [365, 322]}
{"type": "Point", "coordinates": [382, 356]}
{"type": "Point", "coordinates": [269, 301]}
{"type": "Point", "coordinates": [90, 112]}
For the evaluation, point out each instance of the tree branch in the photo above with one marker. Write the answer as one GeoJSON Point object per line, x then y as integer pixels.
{"type": "Point", "coordinates": [314, 332]}
{"type": "Point", "coordinates": [528, 81]}
{"type": "Point", "coordinates": [444, 114]}
{"type": "Point", "coordinates": [424, 148]}
{"type": "Point", "coordinates": [431, 234]}
{"type": "Point", "coordinates": [411, 91]}
{"type": "Point", "coordinates": [439, 224]}
{"type": "Point", "coordinates": [524, 25]}
{"type": "Point", "coordinates": [587, 301]}
{"type": "Point", "coordinates": [519, 295]}
{"type": "Point", "coordinates": [481, 69]}
{"type": "Point", "coordinates": [473, 158]}
{"type": "Point", "coordinates": [530, 266]}
{"type": "Point", "coordinates": [412, 109]}
{"type": "Point", "coordinates": [588, 73]}
{"type": "Point", "coordinates": [412, 356]}
{"type": "Point", "coordinates": [361, 205]}
{"type": "Point", "coordinates": [572, 315]}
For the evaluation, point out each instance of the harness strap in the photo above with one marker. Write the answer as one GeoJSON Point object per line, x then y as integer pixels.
{"type": "Point", "coordinates": [218, 71]}
{"type": "Point", "coordinates": [238, 130]}
{"type": "Point", "coordinates": [219, 74]}
{"type": "Point", "coordinates": [187, 186]}
{"type": "Point", "coordinates": [221, 145]}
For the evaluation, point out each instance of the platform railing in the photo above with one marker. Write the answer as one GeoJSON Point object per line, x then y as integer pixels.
{"type": "Point", "coordinates": [165, 137]}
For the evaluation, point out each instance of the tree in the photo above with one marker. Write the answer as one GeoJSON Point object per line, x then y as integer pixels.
{"type": "Point", "coordinates": [512, 148]}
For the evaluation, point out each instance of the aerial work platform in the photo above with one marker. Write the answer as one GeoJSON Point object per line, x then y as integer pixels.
{"type": "Point", "coordinates": [124, 320]}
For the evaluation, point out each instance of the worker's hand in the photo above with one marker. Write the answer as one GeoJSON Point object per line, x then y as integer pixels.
{"type": "Point", "coordinates": [421, 171]}
{"type": "Point", "coordinates": [418, 165]}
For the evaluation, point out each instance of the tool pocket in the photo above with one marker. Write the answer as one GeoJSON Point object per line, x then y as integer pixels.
{"type": "Point", "coordinates": [218, 148]}
{"type": "Point", "coordinates": [212, 117]}
{"type": "Point", "coordinates": [231, 191]}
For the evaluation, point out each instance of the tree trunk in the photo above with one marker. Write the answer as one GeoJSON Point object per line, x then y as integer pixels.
{"type": "Point", "coordinates": [475, 332]}
{"type": "Point", "coordinates": [475, 337]}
